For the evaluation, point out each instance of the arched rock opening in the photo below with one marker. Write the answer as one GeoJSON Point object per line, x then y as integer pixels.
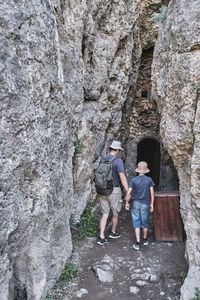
{"type": "Point", "coordinates": [148, 150]}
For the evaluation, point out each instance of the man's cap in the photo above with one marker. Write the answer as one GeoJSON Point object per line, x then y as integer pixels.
{"type": "Point", "coordinates": [116, 145]}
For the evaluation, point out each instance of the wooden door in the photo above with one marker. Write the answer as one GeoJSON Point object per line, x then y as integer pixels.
{"type": "Point", "coordinates": [167, 218]}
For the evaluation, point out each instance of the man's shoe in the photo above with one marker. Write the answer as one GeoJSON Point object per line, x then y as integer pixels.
{"type": "Point", "coordinates": [115, 235]}
{"type": "Point", "coordinates": [137, 246]}
{"type": "Point", "coordinates": [102, 241]}
{"type": "Point", "coordinates": [145, 242]}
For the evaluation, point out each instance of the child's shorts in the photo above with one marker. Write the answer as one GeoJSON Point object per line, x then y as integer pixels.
{"type": "Point", "coordinates": [140, 214]}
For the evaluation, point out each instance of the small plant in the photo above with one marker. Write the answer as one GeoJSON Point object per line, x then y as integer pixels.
{"type": "Point", "coordinates": [78, 145]}
{"type": "Point", "coordinates": [68, 273]}
{"type": "Point", "coordinates": [194, 88]}
{"type": "Point", "coordinates": [73, 248]}
{"type": "Point", "coordinates": [182, 278]}
{"type": "Point", "coordinates": [197, 294]}
{"type": "Point", "coordinates": [88, 223]}
{"type": "Point", "coordinates": [48, 296]}
{"type": "Point", "coordinates": [161, 16]}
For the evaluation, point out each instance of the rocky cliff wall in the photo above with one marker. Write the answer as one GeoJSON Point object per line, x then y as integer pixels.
{"type": "Point", "coordinates": [41, 95]}
{"type": "Point", "coordinates": [176, 73]}
{"type": "Point", "coordinates": [66, 70]}
{"type": "Point", "coordinates": [110, 51]}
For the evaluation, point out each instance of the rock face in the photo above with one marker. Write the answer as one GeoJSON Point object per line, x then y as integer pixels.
{"type": "Point", "coordinates": [140, 126]}
{"type": "Point", "coordinates": [110, 55]}
{"type": "Point", "coordinates": [66, 68]}
{"type": "Point", "coordinates": [82, 171]}
{"type": "Point", "coordinates": [176, 69]}
{"type": "Point", "coordinates": [41, 102]}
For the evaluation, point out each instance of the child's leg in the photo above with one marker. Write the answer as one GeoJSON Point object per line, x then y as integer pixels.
{"type": "Point", "coordinates": [145, 219]}
{"type": "Point", "coordinates": [136, 219]}
{"type": "Point", "coordinates": [145, 232]}
{"type": "Point", "coordinates": [137, 234]}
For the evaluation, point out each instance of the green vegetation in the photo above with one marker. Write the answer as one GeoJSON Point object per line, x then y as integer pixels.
{"type": "Point", "coordinates": [88, 223]}
{"type": "Point", "coordinates": [197, 294]}
{"type": "Point", "coordinates": [48, 296]}
{"type": "Point", "coordinates": [182, 278]}
{"type": "Point", "coordinates": [161, 16]}
{"type": "Point", "coordinates": [73, 248]}
{"type": "Point", "coordinates": [68, 273]}
{"type": "Point", "coordinates": [78, 145]}
{"type": "Point", "coordinates": [195, 88]}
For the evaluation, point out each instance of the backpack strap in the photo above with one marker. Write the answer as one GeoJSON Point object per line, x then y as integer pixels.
{"type": "Point", "coordinates": [110, 159]}
{"type": "Point", "coordinates": [113, 158]}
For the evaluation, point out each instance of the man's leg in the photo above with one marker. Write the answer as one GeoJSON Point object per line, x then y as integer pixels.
{"type": "Point", "coordinates": [103, 222]}
{"type": "Point", "coordinates": [114, 223]}
{"type": "Point", "coordinates": [115, 204]}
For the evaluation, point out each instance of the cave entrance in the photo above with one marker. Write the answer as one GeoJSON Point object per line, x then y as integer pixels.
{"type": "Point", "coordinates": [148, 150]}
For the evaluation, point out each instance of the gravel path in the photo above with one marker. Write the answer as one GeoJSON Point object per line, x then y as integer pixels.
{"type": "Point", "coordinates": [116, 271]}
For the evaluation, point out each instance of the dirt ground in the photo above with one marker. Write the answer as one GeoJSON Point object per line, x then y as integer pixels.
{"type": "Point", "coordinates": [150, 274]}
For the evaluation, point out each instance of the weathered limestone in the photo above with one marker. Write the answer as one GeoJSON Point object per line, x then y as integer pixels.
{"type": "Point", "coordinates": [105, 269]}
{"type": "Point", "coordinates": [41, 102]}
{"type": "Point", "coordinates": [141, 120]}
{"type": "Point", "coordinates": [67, 69]}
{"type": "Point", "coordinates": [82, 172]}
{"type": "Point", "coordinates": [110, 44]}
{"type": "Point", "coordinates": [64, 64]}
{"type": "Point", "coordinates": [176, 66]}
{"type": "Point", "coordinates": [149, 30]}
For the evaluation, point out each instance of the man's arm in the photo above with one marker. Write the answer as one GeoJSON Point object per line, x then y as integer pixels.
{"type": "Point", "coordinates": [128, 194]}
{"type": "Point", "coordinates": [127, 198]}
{"type": "Point", "coordinates": [124, 181]}
{"type": "Point", "coordinates": [152, 198]}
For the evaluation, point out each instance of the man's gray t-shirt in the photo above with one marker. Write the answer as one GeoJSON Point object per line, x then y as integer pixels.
{"type": "Point", "coordinates": [117, 168]}
{"type": "Point", "coordinates": [141, 188]}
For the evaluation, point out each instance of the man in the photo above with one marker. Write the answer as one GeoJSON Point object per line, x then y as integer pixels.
{"type": "Point", "coordinates": [112, 201]}
{"type": "Point", "coordinates": [143, 200]}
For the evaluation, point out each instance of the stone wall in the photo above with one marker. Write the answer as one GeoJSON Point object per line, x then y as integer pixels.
{"type": "Point", "coordinates": [176, 67]}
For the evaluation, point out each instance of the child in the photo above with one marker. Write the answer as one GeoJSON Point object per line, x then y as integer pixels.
{"type": "Point", "coordinates": [143, 200]}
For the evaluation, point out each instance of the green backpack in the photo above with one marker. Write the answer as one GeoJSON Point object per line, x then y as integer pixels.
{"type": "Point", "coordinates": [103, 177]}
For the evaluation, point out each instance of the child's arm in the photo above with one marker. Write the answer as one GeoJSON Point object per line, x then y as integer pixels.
{"type": "Point", "coordinates": [127, 198]}
{"type": "Point", "coordinates": [152, 198]}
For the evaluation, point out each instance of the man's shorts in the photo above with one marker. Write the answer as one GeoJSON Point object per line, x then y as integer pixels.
{"type": "Point", "coordinates": [140, 214]}
{"type": "Point", "coordinates": [112, 201]}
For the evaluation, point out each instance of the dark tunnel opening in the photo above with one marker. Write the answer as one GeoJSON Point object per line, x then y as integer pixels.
{"type": "Point", "coordinates": [148, 150]}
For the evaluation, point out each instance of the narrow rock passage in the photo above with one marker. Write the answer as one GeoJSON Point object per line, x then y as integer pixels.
{"type": "Point", "coordinates": [124, 273]}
